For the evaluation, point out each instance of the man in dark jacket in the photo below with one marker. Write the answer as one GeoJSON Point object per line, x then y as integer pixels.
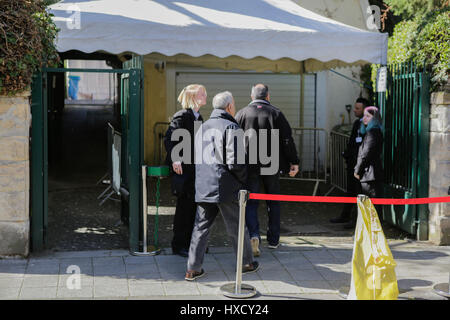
{"type": "Point", "coordinates": [259, 116]}
{"type": "Point", "coordinates": [350, 154]}
{"type": "Point", "coordinates": [220, 174]}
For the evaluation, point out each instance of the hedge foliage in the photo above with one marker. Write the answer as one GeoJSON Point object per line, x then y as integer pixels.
{"type": "Point", "coordinates": [408, 9]}
{"type": "Point", "coordinates": [27, 43]}
{"type": "Point", "coordinates": [425, 40]}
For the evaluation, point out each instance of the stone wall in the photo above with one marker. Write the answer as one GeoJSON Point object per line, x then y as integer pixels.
{"type": "Point", "coordinates": [15, 121]}
{"type": "Point", "coordinates": [439, 179]}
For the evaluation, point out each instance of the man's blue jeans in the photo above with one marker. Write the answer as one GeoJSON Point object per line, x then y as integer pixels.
{"type": "Point", "coordinates": [271, 186]}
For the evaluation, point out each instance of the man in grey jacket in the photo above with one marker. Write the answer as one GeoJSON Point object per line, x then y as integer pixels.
{"type": "Point", "coordinates": [220, 174]}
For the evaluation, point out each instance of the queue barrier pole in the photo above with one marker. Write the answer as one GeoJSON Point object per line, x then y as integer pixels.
{"type": "Point", "coordinates": [238, 289]}
{"type": "Point", "coordinates": [146, 250]}
{"type": "Point", "coordinates": [443, 289]}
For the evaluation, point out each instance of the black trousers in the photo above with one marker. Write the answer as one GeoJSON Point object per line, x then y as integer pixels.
{"type": "Point", "coordinates": [206, 214]}
{"type": "Point", "coordinates": [353, 189]}
{"type": "Point", "coordinates": [271, 186]}
{"type": "Point", "coordinates": [183, 221]}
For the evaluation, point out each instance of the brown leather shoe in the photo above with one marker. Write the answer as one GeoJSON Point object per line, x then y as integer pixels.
{"type": "Point", "coordinates": [192, 275]}
{"type": "Point", "coordinates": [249, 268]}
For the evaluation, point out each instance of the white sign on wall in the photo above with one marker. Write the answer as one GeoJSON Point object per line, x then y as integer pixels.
{"type": "Point", "coordinates": [381, 79]}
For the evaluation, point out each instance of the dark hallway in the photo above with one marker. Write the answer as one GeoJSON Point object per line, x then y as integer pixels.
{"type": "Point", "coordinates": [77, 161]}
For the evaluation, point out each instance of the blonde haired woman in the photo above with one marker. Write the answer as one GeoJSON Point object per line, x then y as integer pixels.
{"type": "Point", "coordinates": [191, 98]}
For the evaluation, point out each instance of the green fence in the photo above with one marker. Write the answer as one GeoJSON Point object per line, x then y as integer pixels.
{"type": "Point", "coordinates": [132, 153]}
{"type": "Point", "coordinates": [405, 111]}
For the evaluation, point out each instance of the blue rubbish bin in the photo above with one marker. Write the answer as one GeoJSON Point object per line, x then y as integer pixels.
{"type": "Point", "coordinates": [73, 87]}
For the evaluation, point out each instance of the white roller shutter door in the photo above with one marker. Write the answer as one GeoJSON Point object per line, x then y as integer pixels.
{"type": "Point", "coordinates": [284, 90]}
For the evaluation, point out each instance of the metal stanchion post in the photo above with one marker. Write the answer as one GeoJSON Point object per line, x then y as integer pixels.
{"type": "Point", "coordinates": [443, 289]}
{"type": "Point", "coordinates": [144, 208]}
{"type": "Point", "coordinates": [154, 250]}
{"type": "Point", "coordinates": [237, 289]}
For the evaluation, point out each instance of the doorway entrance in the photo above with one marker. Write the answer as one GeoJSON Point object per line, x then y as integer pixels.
{"type": "Point", "coordinates": [69, 159]}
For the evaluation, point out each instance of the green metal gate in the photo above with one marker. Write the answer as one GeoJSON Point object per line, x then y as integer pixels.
{"type": "Point", "coordinates": [405, 111]}
{"type": "Point", "coordinates": [132, 151]}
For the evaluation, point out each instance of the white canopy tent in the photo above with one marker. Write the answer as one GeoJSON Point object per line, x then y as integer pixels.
{"type": "Point", "coordinates": [274, 37]}
{"type": "Point", "coordinates": [271, 29]}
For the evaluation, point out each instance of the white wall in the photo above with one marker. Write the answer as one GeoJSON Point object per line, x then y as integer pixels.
{"type": "Point", "coordinates": [333, 93]}
{"type": "Point", "coordinates": [94, 86]}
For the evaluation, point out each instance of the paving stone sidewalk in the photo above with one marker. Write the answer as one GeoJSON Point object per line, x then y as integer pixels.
{"type": "Point", "coordinates": [313, 268]}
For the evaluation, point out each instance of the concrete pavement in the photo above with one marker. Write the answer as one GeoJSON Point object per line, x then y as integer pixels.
{"type": "Point", "coordinates": [301, 268]}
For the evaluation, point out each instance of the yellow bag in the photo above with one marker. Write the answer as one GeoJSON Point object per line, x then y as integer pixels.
{"type": "Point", "coordinates": [373, 274]}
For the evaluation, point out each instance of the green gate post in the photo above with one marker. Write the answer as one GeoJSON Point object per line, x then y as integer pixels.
{"type": "Point", "coordinates": [45, 118]}
{"type": "Point", "coordinates": [135, 160]}
{"type": "Point", "coordinates": [124, 120]}
{"type": "Point", "coordinates": [38, 163]}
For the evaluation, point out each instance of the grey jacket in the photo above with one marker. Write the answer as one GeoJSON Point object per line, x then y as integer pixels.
{"type": "Point", "coordinates": [221, 179]}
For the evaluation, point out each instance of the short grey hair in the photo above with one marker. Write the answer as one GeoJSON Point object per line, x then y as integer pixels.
{"type": "Point", "coordinates": [222, 100]}
{"type": "Point", "coordinates": [259, 91]}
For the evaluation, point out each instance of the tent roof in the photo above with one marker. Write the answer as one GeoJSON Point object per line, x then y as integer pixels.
{"type": "Point", "coordinates": [273, 29]}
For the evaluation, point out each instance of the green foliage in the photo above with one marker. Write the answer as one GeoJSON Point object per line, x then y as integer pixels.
{"type": "Point", "coordinates": [424, 40]}
{"type": "Point", "coordinates": [27, 43]}
{"type": "Point", "coordinates": [366, 77]}
{"type": "Point", "coordinates": [433, 45]}
{"type": "Point", "coordinates": [409, 9]}
{"type": "Point", "coordinates": [401, 42]}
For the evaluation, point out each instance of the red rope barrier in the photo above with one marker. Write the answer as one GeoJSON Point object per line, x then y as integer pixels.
{"type": "Point", "coordinates": [386, 201]}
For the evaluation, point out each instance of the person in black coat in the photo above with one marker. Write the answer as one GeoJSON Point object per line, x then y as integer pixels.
{"type": "Point", "coordinates": [191, 98]}
{"type": "Point", "coordinates": [261, 116]}
{"type": "Point", "coordinates": [350, 155]}
{"type": "Point", "coordinates": [221, 172]}
{"type": "Point", "coordinates": [369, 168]}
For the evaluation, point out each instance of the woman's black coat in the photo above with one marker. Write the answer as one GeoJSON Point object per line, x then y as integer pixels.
{"type": "Point", "coordinates": [369, 166]}
{"type": "Point", "coordinates": [184, 183]}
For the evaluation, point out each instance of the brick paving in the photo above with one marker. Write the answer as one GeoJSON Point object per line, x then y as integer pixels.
{"type": "Point", "coordinates": [313, 268]}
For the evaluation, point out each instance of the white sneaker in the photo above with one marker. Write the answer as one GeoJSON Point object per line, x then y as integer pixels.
{"type": "Point", "coordinates": [271, 246]}
{"type": "Point", "coordinates": [255, 246]}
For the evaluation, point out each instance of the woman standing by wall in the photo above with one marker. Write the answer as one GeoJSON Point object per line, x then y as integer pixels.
{"type": "Point", "coordinates": [369, 169]}
{"type": "Point", "coordinates": [191, 98]}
